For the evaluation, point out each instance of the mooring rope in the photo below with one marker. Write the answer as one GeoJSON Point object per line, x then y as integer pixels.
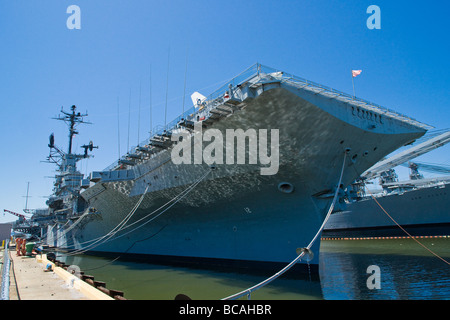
{"type": "Point", "coordinates": [114, 230]}
{"type": "Point", "coordinates": [406, 232]}
{"type": "Point", "coordinates": [180, 197]}
{"type": "Point", "coordinates": [73, 225]}
{"type": "Point", "coordinates": [127, 217]}
{"type": "Point", "coordinates": [126, 251]}
{"type": "Point", "coordinates": [398, 225]}
{"type": "Point", "coordinates": [175, 200]}
{"type": "Point", "coordinates": [298, 258]}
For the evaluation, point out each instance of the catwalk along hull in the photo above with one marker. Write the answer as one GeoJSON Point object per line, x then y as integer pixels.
{"type": "Point", "coordinates": [421, 212]}
{"type": "Point", "coordinates": [235, 215]}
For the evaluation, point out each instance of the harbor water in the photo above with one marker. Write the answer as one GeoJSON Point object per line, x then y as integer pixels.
{"type": "Point", "coordinates": [405, 270]}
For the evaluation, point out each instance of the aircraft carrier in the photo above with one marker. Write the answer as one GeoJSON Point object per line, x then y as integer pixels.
{"type": "Point", "coordinates": [226, 213]}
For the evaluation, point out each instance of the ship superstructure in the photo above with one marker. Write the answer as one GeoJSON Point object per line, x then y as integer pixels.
{"type": "Point", "coordinates": [66, 202]}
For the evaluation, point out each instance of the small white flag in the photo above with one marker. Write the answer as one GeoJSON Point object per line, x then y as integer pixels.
{"type": "Point", "coordinates": [356, 73]}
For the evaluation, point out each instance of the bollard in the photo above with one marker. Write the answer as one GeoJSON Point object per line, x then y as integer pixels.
{"type": "Point", "coordinates": [99, 284]}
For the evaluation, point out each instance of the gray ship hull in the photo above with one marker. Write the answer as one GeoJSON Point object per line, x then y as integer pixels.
{"type": "Point", "coordinates": [421, 212]}
{"type": "Point", "coordinates": [235, 215]}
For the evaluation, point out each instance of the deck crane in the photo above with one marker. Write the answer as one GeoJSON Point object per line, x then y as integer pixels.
{"type": "Point", "coordinates": [21, 216]}
{"type": "Point", "coordinates": [403, 157]}
{"type": "Point", "coordinates": [429, 167]}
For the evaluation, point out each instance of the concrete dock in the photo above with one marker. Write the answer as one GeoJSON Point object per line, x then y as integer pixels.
{"type": "Point", "coordinates": [29, 280]}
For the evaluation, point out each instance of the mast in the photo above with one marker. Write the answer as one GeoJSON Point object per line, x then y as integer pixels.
{"type": "Point", "coordinates": [72, 120]}
{"type": "Point", "coordinates": [26, 197]}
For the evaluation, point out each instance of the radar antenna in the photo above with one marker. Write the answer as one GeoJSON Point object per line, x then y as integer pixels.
{"type": "Point", "coordinates": [72, 120]}
{"type": "Point", "coordinates": [59, 157]}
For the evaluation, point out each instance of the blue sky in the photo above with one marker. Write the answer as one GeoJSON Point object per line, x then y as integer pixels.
{"type": "Point", "coordinates": [44, 66]}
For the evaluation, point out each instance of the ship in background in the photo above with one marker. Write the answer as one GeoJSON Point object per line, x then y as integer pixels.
{"type": "Point", "coordinates": [144, 205]}
{"type": "Point", "coordinates": [421, 206]}
{"type": "Point", "coordinates": [25, 227]}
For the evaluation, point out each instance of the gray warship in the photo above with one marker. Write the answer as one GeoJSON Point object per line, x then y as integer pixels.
{"type": "Point", "coordinates": [418, 206]}
{"type": "Point", "coordinates": [225, 213]}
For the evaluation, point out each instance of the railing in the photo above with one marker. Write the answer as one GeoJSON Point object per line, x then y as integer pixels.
{"type": "Point", "coordinates": [260, 73]}
{"type": "Point", "coordinates": [4, 292]}
{"type": "Point", "coordinates": [342, 96]}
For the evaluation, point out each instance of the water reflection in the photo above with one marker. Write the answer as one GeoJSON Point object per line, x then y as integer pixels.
{"type": "Point", "coordinates": [407, 271]}
{"type": "Point", "coordinates": [156, 282]}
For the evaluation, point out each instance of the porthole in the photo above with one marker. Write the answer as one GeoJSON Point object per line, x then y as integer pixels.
{"type": "Point", "coordinates": [285, 187]}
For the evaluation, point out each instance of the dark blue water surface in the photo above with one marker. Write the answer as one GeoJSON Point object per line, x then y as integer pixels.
{"type": "Point", "coordinates": [407, 270]}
